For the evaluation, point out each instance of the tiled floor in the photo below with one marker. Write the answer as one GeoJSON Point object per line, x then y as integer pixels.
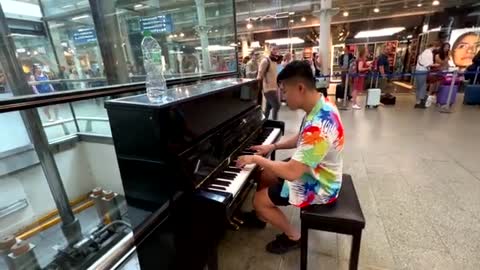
{"type": "Point", "coordinates": [417, 174]}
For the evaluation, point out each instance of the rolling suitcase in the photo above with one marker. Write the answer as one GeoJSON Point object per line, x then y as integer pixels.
{"type": "Point", "coordinates": [443, 92]}
{"type": "Point", "coordinates": [472, 95]}
{"type": "Point", "coordinates": [373, 96]}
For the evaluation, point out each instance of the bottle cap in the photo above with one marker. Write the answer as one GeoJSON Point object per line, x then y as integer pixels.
{"type": "Point", "coordinates": [147, 33]}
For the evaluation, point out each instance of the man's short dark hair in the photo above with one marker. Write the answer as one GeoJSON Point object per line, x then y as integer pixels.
{"type": "Point", "coordinates": [300, 70]}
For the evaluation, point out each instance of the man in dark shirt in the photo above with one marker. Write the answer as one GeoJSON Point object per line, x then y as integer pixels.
{"type": "Point", "coordinates": [344, 63]}
{"type": "Point", "coordinates": [383, 66]}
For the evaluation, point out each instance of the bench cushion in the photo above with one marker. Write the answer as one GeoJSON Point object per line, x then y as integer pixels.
{"type": "Point", "coordinates": [343, 216]}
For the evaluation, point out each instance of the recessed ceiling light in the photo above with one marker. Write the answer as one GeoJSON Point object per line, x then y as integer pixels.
{"type": "Point", "coordinates": [138, 6]}
{"type": "Point", "coordinates": [376, 10]}
{"type": "Point", "coordinates": [216, 30]}
{"type": "Point", "coordinates": [249, 25]}
{"type": "Point", "coordinates": [345, 14]}
{"type": "Point", "coordinates": [410, 36]}
{"type": "Point", "coordinates": [419, 5]}
{"type": "Point", "coordinates": [182, 34]}
{"type": "Point", "coordinates": [435, 3]}
{"type": "Point", "coordinates": [292, 21]}
{"type": "Point", "coordinates": [304, 19]}
{"type": "Point", "coordinates": [291, 13]}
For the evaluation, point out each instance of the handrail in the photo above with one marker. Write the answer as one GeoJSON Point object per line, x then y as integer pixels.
{"type": "Point", "coordinates": [34, 100]}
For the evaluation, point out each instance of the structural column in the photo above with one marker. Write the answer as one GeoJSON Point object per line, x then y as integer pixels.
{"type": "Point", "coordinates": [108, 35]}
{"type": "Point", "coordinates": [326, 14]}
{"type": "Point", "coordinates": [18, 83]}
{"type": "Point", "coordinates": [202, 29]}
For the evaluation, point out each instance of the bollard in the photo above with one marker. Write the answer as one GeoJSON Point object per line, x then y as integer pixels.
{"type": "Point", "coordinates": [6, 242]}
{"type": "Point", "coordinates": [110, 206]}
{"type": "Point", "coordinates": [344, 106]}
{"type": "Point", "coordinates": [22, 257]}
{"type": "Point", "coordinates": [447, 108]}
{"type": "Point", "coordinates": [96, 196]}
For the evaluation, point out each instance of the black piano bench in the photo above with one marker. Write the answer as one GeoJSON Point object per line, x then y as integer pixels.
{"type": "Point", "coordinates": [344, 216]}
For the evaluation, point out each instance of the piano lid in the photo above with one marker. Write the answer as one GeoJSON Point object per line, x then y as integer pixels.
{"type": "Point", "coordinates": [180, 94]}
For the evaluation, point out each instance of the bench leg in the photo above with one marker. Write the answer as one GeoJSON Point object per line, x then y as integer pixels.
{"type": "Point", "coordinates": [355, 251]}
{"type": "Point", "coordinates": [303, 247]}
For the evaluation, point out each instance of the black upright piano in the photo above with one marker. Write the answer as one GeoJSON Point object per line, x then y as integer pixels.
{"type": "Point", "coordinates": [177, 160]}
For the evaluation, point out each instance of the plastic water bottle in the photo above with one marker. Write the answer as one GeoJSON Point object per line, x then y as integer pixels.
{"type": "Point", "coordinates": [155, 81]}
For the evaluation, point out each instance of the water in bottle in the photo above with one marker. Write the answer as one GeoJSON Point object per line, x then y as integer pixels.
{"type": "Point", "coordinates": [155, 81]}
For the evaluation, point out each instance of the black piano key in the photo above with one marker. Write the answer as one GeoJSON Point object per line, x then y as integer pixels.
{"type": "Point", "coordinates": [229, 176]}
{"type": "Point", "coordinates": [233, 169]}
{"type": "Point", "coordinates": [220, 183]}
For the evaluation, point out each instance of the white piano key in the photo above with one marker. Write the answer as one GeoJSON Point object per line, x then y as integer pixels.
{"type": "Point", "coordinates": [237, 183]}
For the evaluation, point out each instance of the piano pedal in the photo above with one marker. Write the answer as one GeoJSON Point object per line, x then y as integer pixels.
{"type": "Point", "coordinates": [237, 220]}
{"type": "Point", "coordinates": [234, 226]}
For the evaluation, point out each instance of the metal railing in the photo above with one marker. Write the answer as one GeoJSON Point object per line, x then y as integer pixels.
{"type": "Point", "coordinates": [39, 100]}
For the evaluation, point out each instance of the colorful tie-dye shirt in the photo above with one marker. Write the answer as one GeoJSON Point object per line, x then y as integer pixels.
{"type": "Point", "coordinates": [319, 147]}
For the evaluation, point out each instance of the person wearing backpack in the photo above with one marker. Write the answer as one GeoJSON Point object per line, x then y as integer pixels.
{"type": "Point", "coordinates": [267, 73]}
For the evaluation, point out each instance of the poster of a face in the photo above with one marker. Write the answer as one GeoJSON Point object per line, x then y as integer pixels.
{"type": "Point", "coordinates": [465, 45]}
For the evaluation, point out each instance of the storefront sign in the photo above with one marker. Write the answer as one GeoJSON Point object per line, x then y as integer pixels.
{"type": "Point", "coordinates": [157, 24]}
{"type": "Point", "coordinates": [84, 35]}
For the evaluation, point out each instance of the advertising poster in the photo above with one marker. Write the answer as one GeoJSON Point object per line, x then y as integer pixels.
{"type": "Point", "coordinates": [465, 44]}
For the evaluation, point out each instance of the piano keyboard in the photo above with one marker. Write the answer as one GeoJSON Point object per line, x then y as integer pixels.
{"type": "Point", "coordinates": [232, 178]}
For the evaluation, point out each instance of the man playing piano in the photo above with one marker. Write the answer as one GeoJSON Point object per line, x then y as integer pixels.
{"type": "Point", "coordinates": [314, 172]}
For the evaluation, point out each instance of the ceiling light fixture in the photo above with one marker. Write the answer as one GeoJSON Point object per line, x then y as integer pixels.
{"type": "Point", "coordinates": [419, 4]}
{"type": "Point", "coordinates": [291, 13]}
{"type": "Point", "coordinates": [249, 25]}
{"type": "Point", "coordinates": [376, 10]}
{"type": "Point", "coordinates": [216, 48]}
{"type": "Point", "coordinates": [345, 14]}
{"type": "Point", "coordinates": [285, 41]}
{"type": "Point", "coordinates": [292, 21]}
{"type": "Point", "coordinates": [182, 34]}
{"type": "Point", "coordinates": [379, 32]}
{"type": "Point", "coordinates": [138, 6]}
{"type": "Point", "coordinates": [303, 19]}
{"type": "Point", "coordinates": [435, 3]}
{"type": "Point", "coordinates": [410, 36]}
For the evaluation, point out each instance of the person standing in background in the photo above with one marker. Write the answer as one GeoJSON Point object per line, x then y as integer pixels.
{"type": "Point", "coordinates": [221, 65]}
{"type": "Point", "coordinates": [383, 67]}
{"type": "Point", "coordinates": [424, 64]}
{"type": "Point", "coordinates": [359, 80]}
{"type": "Point", "coordinates": [267, 73]}
{"type": "Point", "coordinates": [251, 68]}
{"type": "Point", "coordinates": [40, 85]}
{"type": "Point", "coordinates": [440, 57]}
{"type": "Point", "coordinates": [344, 63]}
{"type": "Point", "coordinates": [287, 59]}
{"type": "Point", "coordinates": [473, 70]}
{"type": "Point", "coordinates": [317, 64]}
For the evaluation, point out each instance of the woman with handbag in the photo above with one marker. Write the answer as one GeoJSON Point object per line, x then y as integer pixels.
{"type": "Point", "coordinates": [441, 58]}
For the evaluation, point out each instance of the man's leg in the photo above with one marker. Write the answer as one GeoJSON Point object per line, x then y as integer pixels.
{"type": "Point", "coordinates": [268, 107]}
{"type": "Point", "coordinates": [270, 213]}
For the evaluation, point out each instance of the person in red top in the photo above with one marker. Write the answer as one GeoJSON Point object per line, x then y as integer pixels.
{"type": "Point", "coordinates": [359, 81]}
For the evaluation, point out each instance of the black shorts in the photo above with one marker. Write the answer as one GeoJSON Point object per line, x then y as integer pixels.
{"type": "Point", "coordinates": [274, 193]}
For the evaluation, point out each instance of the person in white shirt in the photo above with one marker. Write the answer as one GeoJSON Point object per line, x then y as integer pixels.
{"type": "Point", "coordinates": [424, 63]}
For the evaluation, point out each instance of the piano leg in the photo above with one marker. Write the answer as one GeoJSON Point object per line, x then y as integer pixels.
{"type": "Point", "coordinates": [212, 263]}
